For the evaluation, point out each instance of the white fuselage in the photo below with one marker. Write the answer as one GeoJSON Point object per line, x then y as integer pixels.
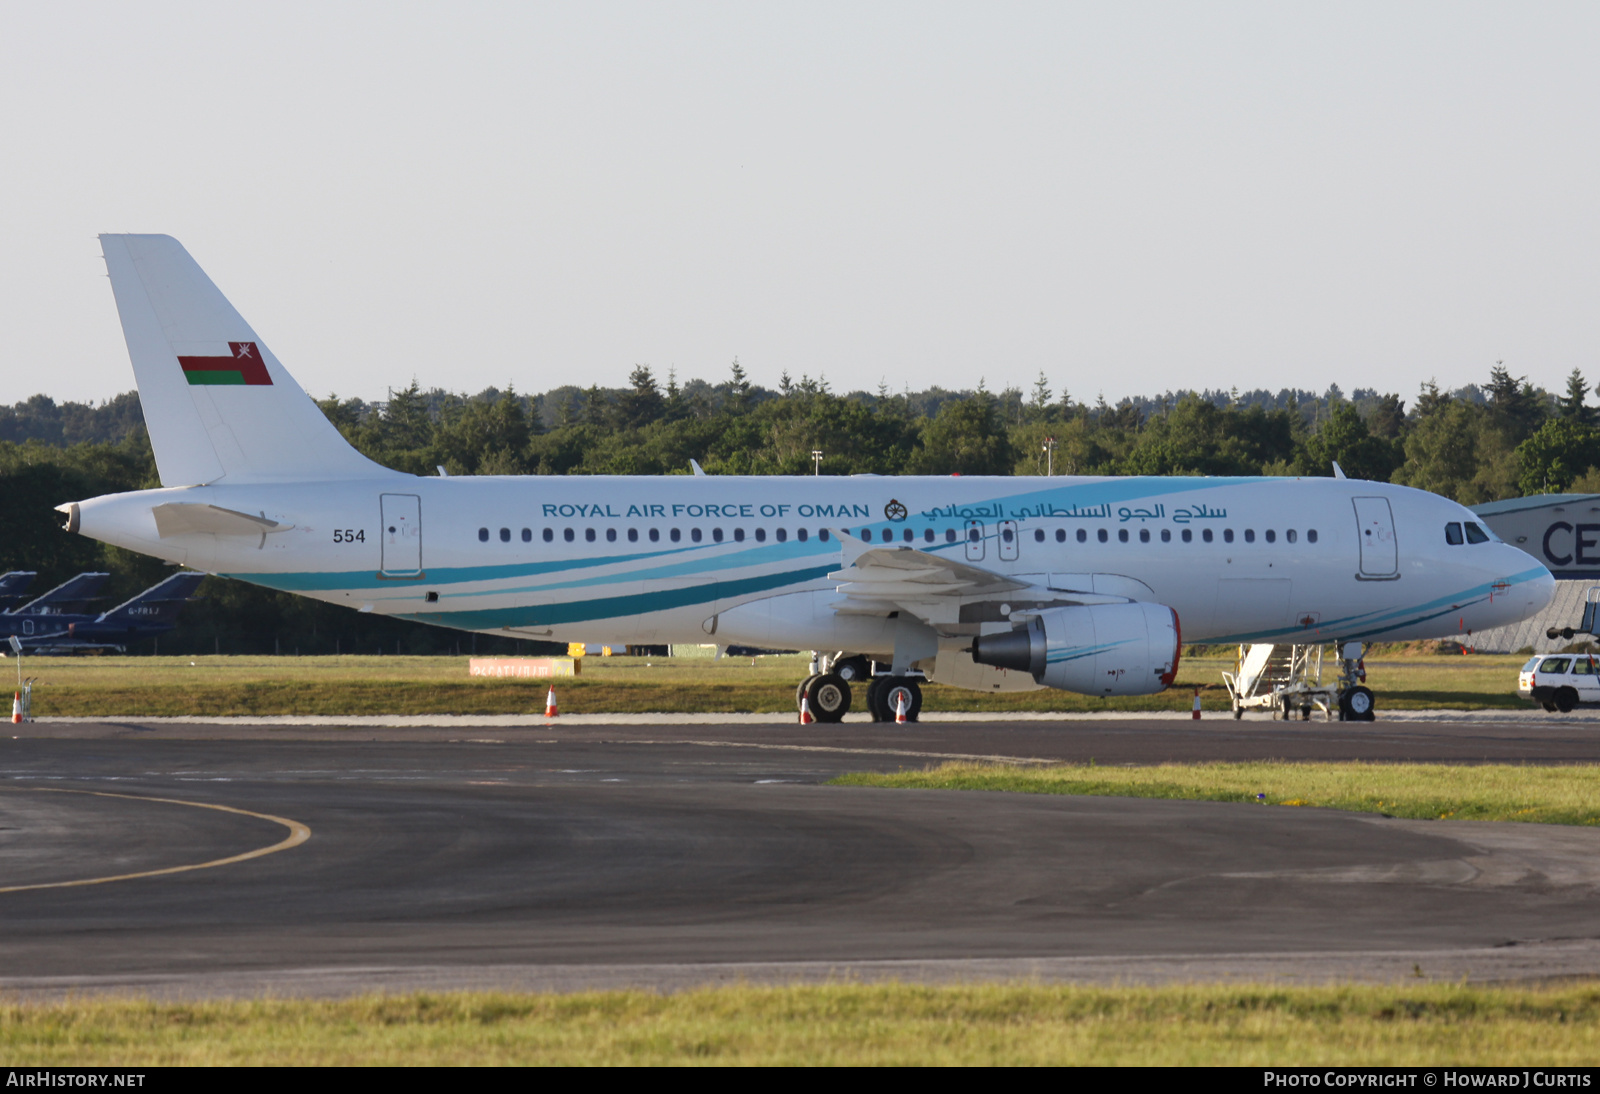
{"type": "Point", "coordinates": [655, 560]}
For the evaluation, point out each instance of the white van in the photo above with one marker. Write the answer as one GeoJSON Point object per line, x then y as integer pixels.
{"type": "Point", "coordinates": [1561, 681]}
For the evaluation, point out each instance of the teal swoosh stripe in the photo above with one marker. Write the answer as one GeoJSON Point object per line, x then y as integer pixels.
{"type": "Point", "coordinates": [714, 563]}
{"type": "Point", "coordinates": [367, 579]}
{"type": "Point", "coordinates": [1414, 614]}
{"type": "Point", "coordinates": [1086, 651]}
{"type": "Point", "coordinates": [614, 607]}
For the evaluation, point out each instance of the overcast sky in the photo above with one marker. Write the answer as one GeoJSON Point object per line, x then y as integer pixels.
{"type": "Point", "coordinates": [1130, 197]}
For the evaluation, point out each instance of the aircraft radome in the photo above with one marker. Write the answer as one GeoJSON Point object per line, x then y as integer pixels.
{"type": "Point", "coordinates": [1085, 584]}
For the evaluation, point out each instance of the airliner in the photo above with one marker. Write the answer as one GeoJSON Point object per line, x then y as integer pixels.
{"type": "Point", "coordinates": [1086, 584]}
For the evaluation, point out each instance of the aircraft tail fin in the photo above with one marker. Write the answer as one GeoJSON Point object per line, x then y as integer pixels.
{"type": "Point", "coordinates": [160, 603]}
{"type": "Point", "coordinates": [71, 597]}
{"type": "Point", "coordinates": [217, 403]}
{"type": "Point", "coordinates": [13, 585]}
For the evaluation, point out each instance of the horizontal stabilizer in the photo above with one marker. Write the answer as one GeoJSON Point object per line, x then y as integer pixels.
{"type": "Point", "coordinates": [195, 518]}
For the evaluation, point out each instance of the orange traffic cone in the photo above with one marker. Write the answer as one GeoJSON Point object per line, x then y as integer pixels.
{"type": "Point", "coordinates": [550, 710]}
{"type": "Point", "coordinates": [805, 711]}
{"type": "Point", "coordinates": [1197, 704]}
{"type": "Point", "coordinates": [16, 708]}
{"type": "Point", "coordinates": [900, 709]}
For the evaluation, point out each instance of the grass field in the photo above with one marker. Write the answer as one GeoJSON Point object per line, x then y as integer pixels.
{"type": "Point", "coordinates": [1425, 1024]}
{"type": "Point", "coordinates": [156, 686]}
{"type": "Point", "coordinates": [1497, 792]}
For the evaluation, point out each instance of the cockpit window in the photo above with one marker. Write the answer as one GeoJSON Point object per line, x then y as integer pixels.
{"type": "Point", "coordinates": [1452, 534]}
{"type": "Point", "coordinates": [1476, 534]}
{"type": "Point", "coordinates": [1555, 664]}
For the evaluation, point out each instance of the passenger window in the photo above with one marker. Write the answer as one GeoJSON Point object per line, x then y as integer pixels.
{"type": "Point", "coordinates": [973, 535]}
{"type": "Point", "coordinates": [1083, 535]}
{"type": "Point", "coordinates": [1311, 535]}
{"type": "Point", "coordinates": [505, 535]}
{"type": "Point", "coordinates": [822, 535]}
{"type": "Point", "coordinates": [1205, 534]}
{"type": "Point", "coordinates": [716, 535]}
{"type": "Point", "coordinates": [568, 535]}
{"type": "Point", "coordinates": [588, 535]}
{"type": "Point", "coordinates": [908, 535]}
{"type": "Point", "coordinates": [761, 535]}
{"type": "Point", "coordinates": [1122, 535]}
{"type": "Point", "coordinates": [781, 534]}
{"type": "Point", "coordinates": [1272, 537]}
{"type": "Point", "coordinates": [800, 534]}
{"type": "Point", "coordinates": [483, 535]}
{"type": "Point", "coordinates": [633, 535]}
{"type": "Point", "coordinates": [927, 535]}
{"type": "Point", "coordinates": [1289, 535]}
{"type": "Point", "coordinates": [1188, 535]}
{"type": "Point", "coordinates": [1249, 535]}
{"type": "Point", "coordinates": [949, 535]}
{"type": "Point", "coordinates": [611, 535]}
{"type": "Point", "coordinates": [738, 535]}
{"type": "Point", "coordinates": [1227, 535]}
{"type": "Point", "coordinates": [1476, 534]}
{"type": "Point", "coordinates": [1144, 535]}
{"type": "Point", "coordinates": [1166, 535]}
{"type": "Point", "coordinates": [675, 535]}
{"type": "Point", "coordinates": [694, 534]}
{"type": "Point", "coordinates": [549, 535]}
{"type": "Point", "coordinates": [866, 535]}
{"type": "Point", "coordinates": [527, 535]}
{"type": "Point", "coordinates": [1102, 535]}
{"type": "Point", "coordinates": [1007, 535]}
{"type": "Point", "coordinates": [655, 535]}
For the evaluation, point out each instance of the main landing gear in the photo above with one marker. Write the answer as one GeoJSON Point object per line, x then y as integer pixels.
{"type": "Point", "coordinates": [828, 693]}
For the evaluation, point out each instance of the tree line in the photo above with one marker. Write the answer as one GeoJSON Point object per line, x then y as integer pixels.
{"type": "Point", "coordinates": [1477, 443]}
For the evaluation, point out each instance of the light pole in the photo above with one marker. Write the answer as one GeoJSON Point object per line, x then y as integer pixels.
{"type": "Point", "coordinates": [1050, 455]}
{"type": "Point", "coordinates": [816, 461]}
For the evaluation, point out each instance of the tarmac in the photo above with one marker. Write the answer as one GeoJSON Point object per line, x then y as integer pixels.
{"type": "Point", "coordinates": [326, 857]}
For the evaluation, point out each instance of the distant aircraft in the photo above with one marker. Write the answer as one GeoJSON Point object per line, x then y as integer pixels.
{"type": "Point", "coordinates": [13, 585]}
{"type": "Point", "coordinates": [151, 613]}
{"type": "Point", "coordinates": [986, 583]}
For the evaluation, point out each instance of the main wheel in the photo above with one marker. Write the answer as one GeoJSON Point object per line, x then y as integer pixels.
{"type": "Point", "coordinates": [875, 707]}
{"type": "Point", "coordinates": [829, 697]}
{"type": "Point", "coordinates": [800, 692]}
{"type": "Point", "coordinates": [1566, 699]}
{"type": "Point", "coordinates": [1357, 704]}
{"type": "Point", "coordinates": [896, 689]}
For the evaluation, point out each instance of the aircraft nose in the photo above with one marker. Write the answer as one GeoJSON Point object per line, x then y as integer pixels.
{"type": "Point", "coordinates": [1541, 591]}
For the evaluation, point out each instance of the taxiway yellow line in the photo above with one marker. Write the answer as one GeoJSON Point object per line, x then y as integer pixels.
{"type": "Point", "coordinates": [298, 834]}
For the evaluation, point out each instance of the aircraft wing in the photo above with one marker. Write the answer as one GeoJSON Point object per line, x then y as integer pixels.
{"type": "Point", "coordinates": [943, 592]}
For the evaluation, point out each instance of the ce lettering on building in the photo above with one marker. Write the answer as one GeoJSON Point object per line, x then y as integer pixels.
{"type": "Point", "coordinates": [1560, 530]}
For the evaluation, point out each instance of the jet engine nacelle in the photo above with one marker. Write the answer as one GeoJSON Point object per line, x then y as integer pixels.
{"type": "Point", "coordinates": [1095, 649]}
